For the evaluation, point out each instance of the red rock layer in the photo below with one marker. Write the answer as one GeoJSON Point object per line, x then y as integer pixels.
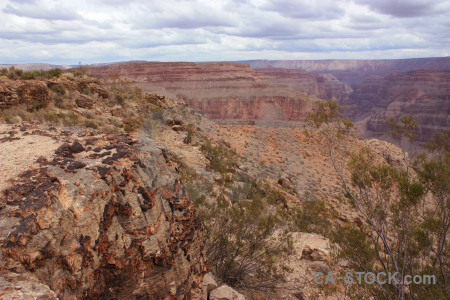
{"type": "Point", "coordinates": [230, 91]}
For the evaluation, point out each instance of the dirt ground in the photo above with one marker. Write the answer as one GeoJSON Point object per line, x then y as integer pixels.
{"type": "Point", "coordinates": [16, 156]}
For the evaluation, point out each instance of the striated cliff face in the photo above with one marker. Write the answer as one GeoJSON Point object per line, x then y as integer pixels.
{"type": "Point", "coordinates": [355, 71]}
{"type": "Point", "coordinates": [230, 91]}
{"type": "Point", "coordinates": [235, 93]}
{"type": "Point", "coordinates": [424, 94]}
{"type": "Point", "coordinates": [324, 86]}
{"type": "Point", "coordinates": [104, 216]}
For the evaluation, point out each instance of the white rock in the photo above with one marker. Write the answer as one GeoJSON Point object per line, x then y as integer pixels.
{"type": "Point", "coordinates": [225, 292]}
{"type": "Point", "coordinates": [208, 283]}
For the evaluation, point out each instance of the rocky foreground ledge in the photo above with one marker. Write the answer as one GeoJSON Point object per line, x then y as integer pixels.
{"type": "Point", "coordinates": [101, 216]}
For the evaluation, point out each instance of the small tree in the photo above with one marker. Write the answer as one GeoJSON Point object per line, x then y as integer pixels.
{"type": "Point", "coordinates": [406, 210]}
{"type": "Point", "coordinates": [241, 248]}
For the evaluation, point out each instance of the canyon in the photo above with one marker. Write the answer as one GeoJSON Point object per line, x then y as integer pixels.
{"type": "Point", "coordinates": [107, 198]}
{"type": "Point", "coordinates": [282, 93]}
{"type": "Point", "coordinates": [355, 71]}
{"type": "Point", "coordinates": [229, 92]}
{"type": "Point", "coordinates": [425, 94]}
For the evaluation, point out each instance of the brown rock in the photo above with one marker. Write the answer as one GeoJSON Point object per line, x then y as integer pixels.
{"type": "Point", "coordinates": [178, 128]}
{"type": "Point", "coordinates": [84, 101]}
{"type": "Point", "coordinates": [270, 94]}
{"type": "Point", "coordinates": [357, 221]}
{"type": "Point", "coordinates": [31, 93]}
{"type": "Point", "coordinates": [100, 91]}
{"type": "Point", "coordinates": [300, 295]}
{"type": "Point", "coordinates": [315, 254]}
{"type": "Point", "coordinates": [343, 218]}
{"type": "Point", "coordinates": [84, 226]}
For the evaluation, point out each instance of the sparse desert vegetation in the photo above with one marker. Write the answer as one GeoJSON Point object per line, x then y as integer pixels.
{"type": "Point", "coordinates": [272, 209]}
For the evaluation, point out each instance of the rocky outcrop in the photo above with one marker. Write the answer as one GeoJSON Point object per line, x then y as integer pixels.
{"type": "Point", "coordinates": [105, 218]}
{"type": "Point", "coordinates": [34, 94]}
{"type": "Point", "coordinates": [424, 94]}
{"type": "Point", "coordinates": [230, 92]}
{"type": "Point", "coordinates": [84, 101]}
{"type": "Point", "coordinates": [80, 84]}
{"type": "Point", "coordinates": [31, 93]}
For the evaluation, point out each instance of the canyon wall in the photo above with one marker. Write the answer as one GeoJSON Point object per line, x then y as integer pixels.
{"type": "Point", "coordinates": [323, 86]}
{"type": "Point", "coordinates": [230, 91]}
{"type": "Point", "coordinates": [235, 93]}
{"type": "Point", "coordinates": [355, 71]}
{"type": "Point", "coordinates": [424, 94]}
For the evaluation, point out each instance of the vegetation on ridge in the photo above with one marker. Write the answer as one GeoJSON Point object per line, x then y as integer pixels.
{"type": "Point", "coordinates": [74, 99]}
{"type": "Point", "coordinates": [406, 209]}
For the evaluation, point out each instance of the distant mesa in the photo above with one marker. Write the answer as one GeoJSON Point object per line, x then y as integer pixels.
{"type": "Point", "coordinates": [281, 93]}
{"type": "Point", "coordinates": [355, 71]}
{"type": "Point", "coordinates": [425, 94]}
{"type": "Point", "coordinates": [35, 66]}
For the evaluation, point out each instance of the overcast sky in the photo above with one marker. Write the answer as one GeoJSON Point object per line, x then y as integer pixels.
{"type": "Point", "coordinates": [94, 31]}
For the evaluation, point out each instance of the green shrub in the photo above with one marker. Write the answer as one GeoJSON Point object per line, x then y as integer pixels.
{"type": "Point", "coordinates": [312, 216]}
{"type": "Point", "coordinates": [51, 117]}
{"type": "Point", "coordinates": [57, 72]}
{"type": "Point", "coordinates": [190, 129]}
{"type": "Point", "coordinates": [14, 73]}
{"type": "Point", "coordinates": [154, 120]}
{"type": "Point", "coordinates": [222, 160]}
{"type": "Point", "coordinates": [241, 248]}
{"type": "Point", "coordinates": [91, 124]}
{"type": "Point", "coordinates": [58, 89]}
{"type": "Point", "coordinates": [132, 124]}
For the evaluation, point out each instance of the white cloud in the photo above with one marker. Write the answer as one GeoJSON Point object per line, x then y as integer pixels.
{"type": "Point", "coordinates": [201, 30]}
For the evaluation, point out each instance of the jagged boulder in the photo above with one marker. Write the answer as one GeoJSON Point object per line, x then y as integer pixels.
{"type": "Point", "coordinates": [84, 101]}
{"type": "Point", "coordinates": [31, 93]}
{"type": "Point", "coordinates": [105, 217]}
{"type": "Point", "coordinates": [315, 254]}
{"type": "Point", "coordinates": [208, 284]}
{"type": "Point", "coordinates": [97, 89]}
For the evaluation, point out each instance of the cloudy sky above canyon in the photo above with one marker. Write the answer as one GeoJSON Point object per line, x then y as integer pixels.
{"type": "Point", "coordinates": [94, 31]}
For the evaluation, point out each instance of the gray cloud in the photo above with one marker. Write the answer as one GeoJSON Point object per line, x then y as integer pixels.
{"type": "Point", "coordinates": [52, 37]}
{"type": "Point", "coordinates": [180, 14]}
{"type": "Point", "coordinates": [39, 12]}
{"type": "Point", "coordinates": [403, 8]}
{"type": "Point", "coordinates": [23, 1]}
{"type": "Point", "coordinates": [204, 30]}
{"type": "Point", "coordinates": [184, 22]}
{"type": "Point", "coordinates": [305, 9]}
